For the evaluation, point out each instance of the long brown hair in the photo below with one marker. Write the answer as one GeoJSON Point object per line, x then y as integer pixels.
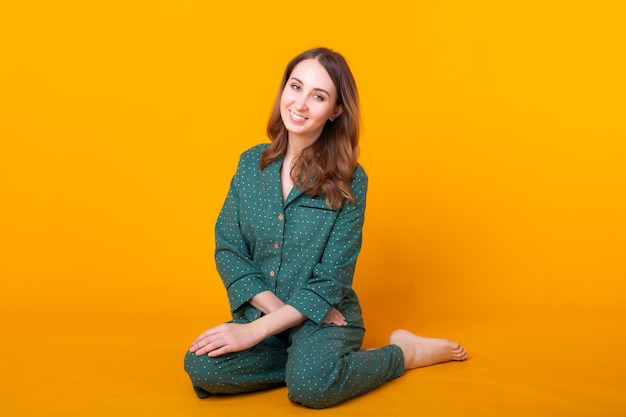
{"type": "Point", "coordinates": [325, 167]}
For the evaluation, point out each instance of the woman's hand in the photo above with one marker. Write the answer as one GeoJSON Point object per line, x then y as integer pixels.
{"type": "Point", "coordinates": [226, 338]}
{"type": "Point", "coordinates": [235, 337]}
{"type": "Point", "coordinates": [335, 317]}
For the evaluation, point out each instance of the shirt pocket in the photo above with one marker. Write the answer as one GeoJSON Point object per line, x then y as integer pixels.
{"type": "Point", "coordinates": [310, 224]}
{"type": "Point", "coordinates": [319, 204]}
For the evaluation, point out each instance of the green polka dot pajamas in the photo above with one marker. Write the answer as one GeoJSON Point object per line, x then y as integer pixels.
{"type": "Point", "coordinates": [306, 254]}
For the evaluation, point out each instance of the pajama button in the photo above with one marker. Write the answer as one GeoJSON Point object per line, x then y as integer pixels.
{"type": "Point", "coordinates": [281, 217]}
{"type": "Point", "coordinates": [276, 246]}
{"type": "Point", "coordinates": [272, 273]}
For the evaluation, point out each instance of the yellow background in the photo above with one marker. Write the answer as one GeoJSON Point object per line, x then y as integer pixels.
{"type": "Point", "coordinates": [493, 135]}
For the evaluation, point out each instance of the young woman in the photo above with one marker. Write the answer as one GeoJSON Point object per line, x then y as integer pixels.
{"type": "Point", "coordinates": [287, 242]}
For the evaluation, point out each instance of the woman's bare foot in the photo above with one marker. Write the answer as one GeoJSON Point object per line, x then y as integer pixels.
{"type": "Point", "coordinates": [425, 351]}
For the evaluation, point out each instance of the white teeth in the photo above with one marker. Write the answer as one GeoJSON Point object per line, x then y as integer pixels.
{"type": "Point", "coordinates": [295, 116]}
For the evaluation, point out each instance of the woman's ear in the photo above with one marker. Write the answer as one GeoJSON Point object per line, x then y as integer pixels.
{"type": "Point", "coordinates": [336, 113]}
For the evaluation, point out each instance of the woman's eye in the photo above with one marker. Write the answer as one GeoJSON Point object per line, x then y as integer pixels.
{"type": "Point", "coordinates": [295, 87]}
{"type": "Point", "coordinates": [318, 97]}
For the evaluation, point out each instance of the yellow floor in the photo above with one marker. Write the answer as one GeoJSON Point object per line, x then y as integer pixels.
{"type": "Point", "coordinates": [547, 365]}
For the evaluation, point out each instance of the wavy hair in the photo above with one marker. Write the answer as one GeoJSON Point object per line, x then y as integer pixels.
{"type": "Point", "coordinates": [325, 167]}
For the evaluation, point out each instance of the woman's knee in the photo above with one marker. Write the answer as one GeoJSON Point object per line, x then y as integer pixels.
{"type": "Point", "coordinates": [193, 364]}
{"type": "Point", "coordinates": [200, 368]}
{"type": "Point", "coordinates": [313, 395]}
{"type": "Point", "coordinates": [315, 387]}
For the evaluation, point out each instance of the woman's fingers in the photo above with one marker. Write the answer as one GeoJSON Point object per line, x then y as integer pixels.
{"type": "Point", "coordinates": [222, 339]}
{"type": "Point", "coordinates": [335, 317]}
{"type": "Point", "coordinates": [206, 345]}
{"type": "Point", "coordinates": [206, 342]}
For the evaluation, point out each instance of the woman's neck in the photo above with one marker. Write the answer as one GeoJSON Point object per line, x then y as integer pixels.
{"type": "Point", "coordinates": [295, 145]}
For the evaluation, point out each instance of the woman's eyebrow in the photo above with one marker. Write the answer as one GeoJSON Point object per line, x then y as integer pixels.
{"type": "Point", "coordinates": [318, 89]}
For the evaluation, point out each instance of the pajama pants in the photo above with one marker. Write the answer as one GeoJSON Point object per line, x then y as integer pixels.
{"type": "Point", "coordinates": [321, 366]}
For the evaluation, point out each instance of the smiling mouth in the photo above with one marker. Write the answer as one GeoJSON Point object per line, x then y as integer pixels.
{"type": "Point", "coordinates": [297, 117]}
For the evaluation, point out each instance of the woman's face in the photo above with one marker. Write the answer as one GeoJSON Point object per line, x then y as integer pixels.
{"type": "Point", "coordinates": [308, 101]}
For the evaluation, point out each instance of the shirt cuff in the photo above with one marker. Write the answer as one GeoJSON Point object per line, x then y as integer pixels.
{"type": "Point", "coordinates": [243, 290]}
{"type": "Point", "coordinates": [311, 305]}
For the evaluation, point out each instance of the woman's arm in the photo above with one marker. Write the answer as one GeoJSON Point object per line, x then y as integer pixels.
{"type": "Point", "coordinates": [239, 273]}
{"type": "Point", "coordinates": [332, 276]}
{"type": "Point", "coordinates": [267, 302]}
{"type": "Point", "coordinates": [234, 337]}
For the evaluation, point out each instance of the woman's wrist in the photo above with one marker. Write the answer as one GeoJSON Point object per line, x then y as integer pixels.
{"type": "Point", "coordinates": [273, 323]}
{"type": "Point", "coordinates": [267, 302]}
{"type": "Point", "coordinates": [259, 328]}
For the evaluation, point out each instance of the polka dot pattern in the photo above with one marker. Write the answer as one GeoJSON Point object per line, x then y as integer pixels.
{"type": "Point", "coordinates": [306, 253]}
{"type": "Point", "coordinates": [301, 249]}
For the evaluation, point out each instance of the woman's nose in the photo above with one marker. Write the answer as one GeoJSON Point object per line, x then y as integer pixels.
{"type": "Point", "coordinates": [300, 102]}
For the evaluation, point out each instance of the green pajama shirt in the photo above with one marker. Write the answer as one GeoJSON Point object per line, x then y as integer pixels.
{"type": "Point", "coordinates": [306, 253]}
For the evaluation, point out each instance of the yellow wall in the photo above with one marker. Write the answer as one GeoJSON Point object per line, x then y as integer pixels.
{"type": "Point", "coordinates": [493, 136]}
